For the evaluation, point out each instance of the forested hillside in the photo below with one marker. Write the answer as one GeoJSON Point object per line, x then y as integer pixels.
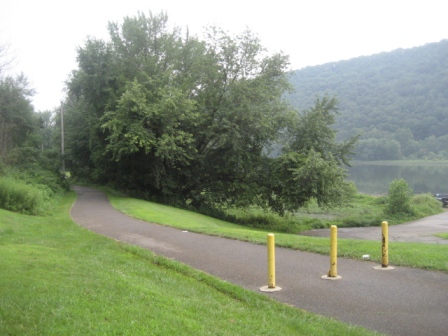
{"type": "Point", "coordinates": [397, 101]}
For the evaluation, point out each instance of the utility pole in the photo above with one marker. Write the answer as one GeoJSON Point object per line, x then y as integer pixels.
{"type": "Point", "coordinates": [62, 139]}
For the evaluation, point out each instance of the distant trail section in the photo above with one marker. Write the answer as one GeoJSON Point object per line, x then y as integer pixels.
{"type": "Point", "coordinates": [419, 231]}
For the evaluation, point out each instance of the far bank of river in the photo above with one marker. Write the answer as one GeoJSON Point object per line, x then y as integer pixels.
{"type": "Point", "coordinates": [374, 177]}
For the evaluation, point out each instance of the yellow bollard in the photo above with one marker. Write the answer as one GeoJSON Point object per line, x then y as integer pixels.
{"type": "Point", "coordinates": [385, 248]}
{"type": "Point", "coordinates": [333, 251]}
{"type": "Point", "coordinates": [271, 260]}
{"type": "Point", "coordinates": [385, 245]}
{"type": "Point", "coordinates": [271, 287]}
{"type": "Point", "coordinates": [333, 272]}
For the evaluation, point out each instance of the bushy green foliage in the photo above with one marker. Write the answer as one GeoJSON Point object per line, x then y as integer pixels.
{"type": "Point", "coordinates": [297, 177]}
{"type": "Point", "coordinates": [34, 166]}
{"type": "Point", "coordinates": [425, 205]}
{"type": "Point", "coordinates": [18, 196]}
{"type": "Point", "coordinates": [272, 222]}
{"type": "Point", "coordinates": [361, 221]}
{"type": "Point", "coordinates": [399, 199]}
{"type": "Point", "coordinates": [178, 118]}
{"type": "Point", "coordinates": [16, 112]}
{"type": "Point", "coordinates": [294, 223]}
{"type": "Point", "coordinates": [38, 176]}
{"type": "Point", "coordinates": [30, 189]}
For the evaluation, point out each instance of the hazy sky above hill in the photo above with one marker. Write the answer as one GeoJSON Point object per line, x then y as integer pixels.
{"type": "Point", "coordinates": [43, 35]}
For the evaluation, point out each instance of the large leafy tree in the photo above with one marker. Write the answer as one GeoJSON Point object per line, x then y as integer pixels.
{"type": "Point", "coordinates": [92, 88]}
{"type": "Point", "coordinates": [312, 163]}
{"type": "Point", "coordinates": [16, 113]}
{"type": "Point", "coordinates": [173, 116]}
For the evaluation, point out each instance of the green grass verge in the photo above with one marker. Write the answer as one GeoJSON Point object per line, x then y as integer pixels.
{"type": "Point", "coordinates": [60, 279]}
{"type": "Point", "coordinates": [364, 211]}
{"type": "Point", "coordinates": [442, 235]}
{"type": "Point", "coordinates": [419, 255]}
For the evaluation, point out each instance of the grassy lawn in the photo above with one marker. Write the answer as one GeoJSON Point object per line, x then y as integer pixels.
{"type": "Point", "coordinates": [426, 256]}
{"type": "Point", "coordinates": [364, 210]}
{"type": "Point", "coordinates": [60, 279]}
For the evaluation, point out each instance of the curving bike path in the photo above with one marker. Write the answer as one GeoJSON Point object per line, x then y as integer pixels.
{"type": "Point", "coordinates": [403, 301]}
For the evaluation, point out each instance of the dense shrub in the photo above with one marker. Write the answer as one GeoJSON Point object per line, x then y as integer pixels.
{"type": "Point", "coordinates": [425, 205]}
{"type": "Point", "coordinates": [18, 196]}
{"type": "Point", "coordinates": [39, 176]}
{"type": "Point", "coordinates": [399, 199]}
{"type": "Point", "coordinates": [35, 167]}
{"type": "Point", "coordinates": [28, 187]}
{"type": "Point", "coordinates": [365, 221]}
{"type": "Point", "coordinates": [273, 222]}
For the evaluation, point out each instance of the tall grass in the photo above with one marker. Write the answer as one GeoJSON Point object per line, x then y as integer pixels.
{"type": "Point", "coordinates": [30, 189]}
{"type": "Point", "coordinates": [21, 197]}
{"type": "Point", "coordinates": [425, 205]}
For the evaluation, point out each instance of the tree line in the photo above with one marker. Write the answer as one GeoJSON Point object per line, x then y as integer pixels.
{"type": "Point", "coordinates": [21, 128]}
{"type": "Point", "coordinates": [396, 101]}
{"type": "Point", "coordinates": [174, 118]}
{"type": "Point", "coordinates": [29, 160]}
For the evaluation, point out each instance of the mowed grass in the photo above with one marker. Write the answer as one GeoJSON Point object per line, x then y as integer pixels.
{"type": "Point", "coordinates": [60, 279]}
{"type": "Point", "coordinates": [419, 255]}
{"type": "Point", "coordinates": [442, 235]}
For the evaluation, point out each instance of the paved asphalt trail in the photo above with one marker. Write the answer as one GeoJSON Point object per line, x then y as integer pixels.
{"type": "Point", "coordinates": [403, 301]}
{"type": "Point", "coordinates": [421, 231]}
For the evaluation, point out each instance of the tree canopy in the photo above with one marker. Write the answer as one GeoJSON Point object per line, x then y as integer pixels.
{"type": "Point", "coordinates": [174, 117]}
{"type": "Point", "coordinates": [27, 141]}
{"type": "Point", "coordinates": [16, 113]}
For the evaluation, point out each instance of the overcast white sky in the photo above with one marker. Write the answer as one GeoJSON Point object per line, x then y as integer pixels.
{"type": "Point", "coordinates": [43, 35]}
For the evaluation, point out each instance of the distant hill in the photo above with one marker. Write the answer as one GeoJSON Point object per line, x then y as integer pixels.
{"type": "Point", "coordinates": [397, 100]}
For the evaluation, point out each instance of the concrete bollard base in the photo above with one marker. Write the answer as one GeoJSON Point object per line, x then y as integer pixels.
{"type": "Point", "coordinates": [269, 290]}
{"type": "Point", "coordinates": [327, 277]}
{"type": "Point", "coordinates": [381, 268]}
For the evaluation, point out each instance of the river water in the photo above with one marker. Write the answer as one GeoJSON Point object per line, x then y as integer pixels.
{"type": "Point", "coordinates": [374, 178]}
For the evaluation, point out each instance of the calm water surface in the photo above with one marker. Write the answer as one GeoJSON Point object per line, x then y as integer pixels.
{"type": "Point", "coordinates": [423, 177]}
